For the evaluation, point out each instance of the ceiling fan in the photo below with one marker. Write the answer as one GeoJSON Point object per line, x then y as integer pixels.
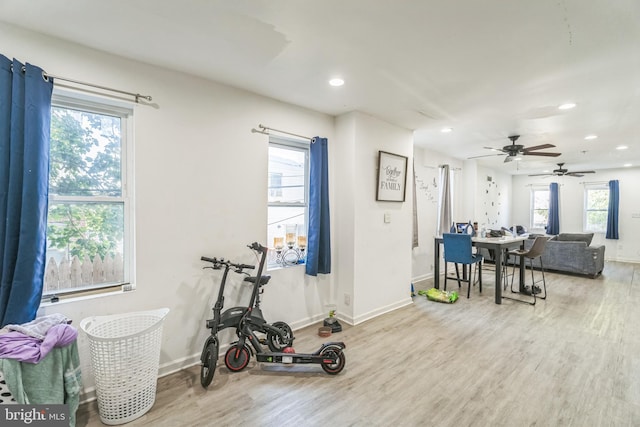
{"type": "Point", "coordinates": [563, 172]}
{"type": "Point", "coordinates": [514, 151]}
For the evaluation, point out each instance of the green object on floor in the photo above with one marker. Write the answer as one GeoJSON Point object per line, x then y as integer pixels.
{"type": "Point", "coordinates": [438, 295]}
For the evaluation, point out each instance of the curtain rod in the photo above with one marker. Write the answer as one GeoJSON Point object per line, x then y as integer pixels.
{"type": "Point", "coordinates": [594, 182]}
{"type": "Point", "coordinates": [137, 96]}
{"type": "Point", "coordinates": [46, 76]}
{"type": "Point", "coordinates": [265, 130]}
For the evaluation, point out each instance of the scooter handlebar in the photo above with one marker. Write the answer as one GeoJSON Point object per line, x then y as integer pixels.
{"type": "Point", "coordinates": [206, 258]}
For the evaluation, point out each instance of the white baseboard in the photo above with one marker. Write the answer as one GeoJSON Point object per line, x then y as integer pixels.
{"type": "Point", "coordinates": [422, 277]}
{"type": "Point", "coordinates": [382, 310]}
{"type": "Point", "coordinates": [618, 259]}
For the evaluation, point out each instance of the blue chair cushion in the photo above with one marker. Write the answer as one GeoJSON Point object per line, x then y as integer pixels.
{"type": "Point", "coordinates": [457, 248]}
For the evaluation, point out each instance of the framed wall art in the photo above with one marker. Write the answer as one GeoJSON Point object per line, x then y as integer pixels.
{"type": "Point", "coordinates": [392, 177]}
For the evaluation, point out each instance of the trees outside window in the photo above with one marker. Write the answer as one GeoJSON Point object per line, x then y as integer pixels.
{"type": "Point", "coordinates": [596, 203]}
{"type": "Point", "coordinates": [88, 219]}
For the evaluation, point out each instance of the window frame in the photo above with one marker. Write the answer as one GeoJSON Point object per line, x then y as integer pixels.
{"type": "Point", "coordinates": [125, 112]}
{"type": "Point", "coordinates": [588, 188]}
{"type": "Point", "coordinates": [294, 145]}
{"type": "Point", "coordinates": [532, 206]}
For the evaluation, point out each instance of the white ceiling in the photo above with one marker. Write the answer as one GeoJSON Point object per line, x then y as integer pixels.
{"type": "Point", "coordinates": [488, 69]}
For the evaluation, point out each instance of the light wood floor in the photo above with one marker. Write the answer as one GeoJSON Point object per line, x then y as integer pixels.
{"type": "Point", "coordinates": [572, 360]}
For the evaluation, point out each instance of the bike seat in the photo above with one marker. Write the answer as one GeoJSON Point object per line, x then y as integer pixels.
{"type": "Point", "coordinates": [263, 280]}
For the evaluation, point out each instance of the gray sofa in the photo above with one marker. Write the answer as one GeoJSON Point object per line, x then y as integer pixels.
{"type": "Point", "coordinates": [569, 252]}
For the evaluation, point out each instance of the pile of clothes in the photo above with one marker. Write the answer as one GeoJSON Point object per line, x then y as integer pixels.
{"type": "Point", "coordinates": [39, 363]}
{"type": "Point", "coordinates": [31, 342]}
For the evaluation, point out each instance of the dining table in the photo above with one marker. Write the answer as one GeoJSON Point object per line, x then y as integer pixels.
{"type": "Point", "coordinates": [499, 245]}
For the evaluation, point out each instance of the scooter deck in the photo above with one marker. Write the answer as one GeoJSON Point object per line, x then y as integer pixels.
{"type": "Point", "coordinates": [316, 357]}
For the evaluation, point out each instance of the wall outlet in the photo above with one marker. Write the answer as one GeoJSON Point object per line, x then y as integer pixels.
{"type": "Point", "coordinates": [347, 299]}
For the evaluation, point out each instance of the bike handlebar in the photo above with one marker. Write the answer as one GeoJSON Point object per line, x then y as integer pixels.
{"type": "Point", "coordinates": [219, 262]}
{"type": "Point", "coordinates": [257, 247]}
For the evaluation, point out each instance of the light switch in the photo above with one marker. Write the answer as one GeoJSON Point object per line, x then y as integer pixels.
{"type": "Point", "coordinates": [387, 218]}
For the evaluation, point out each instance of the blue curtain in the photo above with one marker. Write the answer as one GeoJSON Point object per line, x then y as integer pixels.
{"type": "Point", "coordinates": [612, 212]}
{"type": "Point", "coordinates": [319, 239]}
{"type": "Point", "coordinates": [25, 114]}
{"type": "Point", "coordinates": [553, 222]}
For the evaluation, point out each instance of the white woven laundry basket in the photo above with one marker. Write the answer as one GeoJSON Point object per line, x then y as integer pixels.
{"type": "Point", "coordinates": [125, 357]}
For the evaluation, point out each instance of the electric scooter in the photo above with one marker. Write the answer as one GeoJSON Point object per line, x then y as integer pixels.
{"type": "Point", "coordinates": [330, 355]}
{"type": "Point", "coordinates": [278, 335]}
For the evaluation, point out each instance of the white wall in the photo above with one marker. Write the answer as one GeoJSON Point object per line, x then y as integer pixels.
{"type": "Point", "coordinates": [379, 274]}
{"type": "Point", "coordinates": [493, 195]}
{"type": "Point", "coordinates": [571, 200]}
{"type": "Point", "coordinates": [200, 189]}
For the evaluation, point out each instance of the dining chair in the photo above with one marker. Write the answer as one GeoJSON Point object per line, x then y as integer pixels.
{"type": "Point", "coordinates": [534, 252]}
{"type": "Point", "coordinates": [458, 250]}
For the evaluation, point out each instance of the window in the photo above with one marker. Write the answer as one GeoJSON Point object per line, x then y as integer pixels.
{"type": "Point", "coordinates": [539, 208]}
{"type": "Point", "coordinates": [89, 220]}
{"type": "Point", "coordinates": [596, 204]}
{"type": "Point", "coordinates": [275, 184]}
{"type": "Point", "coordinates": [287, 200]}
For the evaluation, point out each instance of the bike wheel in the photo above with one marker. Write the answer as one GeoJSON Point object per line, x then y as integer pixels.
{"type": "Point", "coordinates": [209, 363]}
{"type": "Point", "coordinates": [278, 342]}
{"type": "Point", "coordinates": [236, 358]}
{"type": "Point", "coordinates": [333, 368]}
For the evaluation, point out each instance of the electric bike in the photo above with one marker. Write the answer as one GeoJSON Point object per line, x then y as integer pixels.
{"type": "Point", "coordinates": [278, 335]}
{"type": "Point", "coordinates": [330, 355]}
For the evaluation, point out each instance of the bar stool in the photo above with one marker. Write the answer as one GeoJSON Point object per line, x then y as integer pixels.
{"type": "Point", "coordinates": [534, 252]}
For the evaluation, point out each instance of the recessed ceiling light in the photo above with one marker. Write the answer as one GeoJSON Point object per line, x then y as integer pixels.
{"type": "Point", "coordinates": [336, 82]}
{"type": "Point", "coordinates": [621, 147]}
{"type": "Point", "coordinates": [446, 130]}
{"type": "Point", "coordinates": [588, 137]}
{"type": "Point", "coordinates": [627, 165]}
{"type": "Point", "coordinates": [567, 106]}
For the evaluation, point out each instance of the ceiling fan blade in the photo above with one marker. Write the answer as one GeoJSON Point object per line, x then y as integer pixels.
{"type": "Point", "coordinates": [485, 155]}
{"type": "Point", "coordinates": [494, 149]}
{"type": "Point", "coordinates": [580, 172]}
{"type": "Point", "coordinates": [538, 147]}
{"type": "Point", "coordinates": [527, 153]}
{"type": "Point", "coordinates": [541, 174]}
{"type": "Point", "coordinates": [576, 174]}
